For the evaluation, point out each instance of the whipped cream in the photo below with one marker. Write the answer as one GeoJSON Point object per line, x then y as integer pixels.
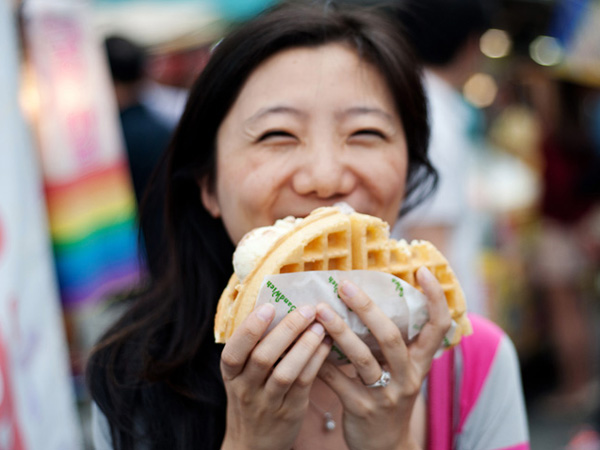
{"type": "Point", "coordinates": [256, 243]}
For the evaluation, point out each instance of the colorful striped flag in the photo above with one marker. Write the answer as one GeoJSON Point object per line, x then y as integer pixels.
{"type": "Point", "coordinates": [90, 199]}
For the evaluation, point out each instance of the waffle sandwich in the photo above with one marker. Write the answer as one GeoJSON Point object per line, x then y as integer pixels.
{"type": "Point", "coordinates": [330, 239]}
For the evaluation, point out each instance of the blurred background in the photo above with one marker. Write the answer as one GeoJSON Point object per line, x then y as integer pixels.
{"type": "Point", "coordinates": [89, 94]}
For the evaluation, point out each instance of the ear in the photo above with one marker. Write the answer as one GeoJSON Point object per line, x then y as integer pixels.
{"type": "Point", "coordinates": [208, 197]}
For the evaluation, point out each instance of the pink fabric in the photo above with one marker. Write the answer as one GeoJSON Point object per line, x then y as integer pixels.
{"type": "Point", "coordinates": [524, 446]}
{"type": "Point", "coordinates": [477, 361]}
{"type": "Point", "coordinates": [439, 410]}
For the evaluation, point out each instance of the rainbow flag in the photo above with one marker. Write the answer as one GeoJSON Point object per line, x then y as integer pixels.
{"type": "Point", "coordinates": [93, 234]}
{"type": "Point", "coordinates": [89, 194]}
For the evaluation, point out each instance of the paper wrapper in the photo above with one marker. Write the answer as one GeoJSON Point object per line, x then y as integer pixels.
{"type": "Point", "coordinates": [405, 305]}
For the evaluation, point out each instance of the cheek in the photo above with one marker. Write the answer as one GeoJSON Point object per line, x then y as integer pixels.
{"type": "Point", "coordinates": [389, 176]}
{"type": "Point", "coordinates": [244, 187]}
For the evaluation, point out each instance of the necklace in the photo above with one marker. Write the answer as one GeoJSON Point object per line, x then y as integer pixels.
{"type": "Point", "coordinates": [328, 422]}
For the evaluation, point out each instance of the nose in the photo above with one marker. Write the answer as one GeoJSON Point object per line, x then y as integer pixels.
{"type": "Point", "coordinates": [325, 173]}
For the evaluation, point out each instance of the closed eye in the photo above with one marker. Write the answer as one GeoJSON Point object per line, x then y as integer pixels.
{"type": "Point", "coordinates": [369, 132]}
{"type": "Point", "coordinates": [274, 135]}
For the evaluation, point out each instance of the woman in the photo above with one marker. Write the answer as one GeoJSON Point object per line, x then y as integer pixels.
{"type": "Point", "coordinates": [303, 107]}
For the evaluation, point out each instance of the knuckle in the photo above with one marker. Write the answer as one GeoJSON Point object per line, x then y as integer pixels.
{"type": "Point", "coordinates": [336, 327]}
{"type": "Point", "coordinates": [327, 374]}
{"type": "Point", "coordinates": [444, 322]}
{"type": "Point", "coordinates": [261, 359]}
{"type": "Point", "coordinates": [229, 361]}
{"type": "Point", "coordinates": [434, 291]}
{"type": "Point", "coordinates": [303, 381]}
{"type": "Point", "coordinates": [291, 325]}
{"type": "Point", "coordinates": [389, 402]}
{"type": "Point", "coordinates": [447, 322]}
{"type": "Point", "coordinates": [282, 378]}
{"type": "Point", "coordinates": [245, 397]}
{"type": "Point", "coordinates": [307, 343]}
{"type": "Point", "coordinates": [250, 335]}
{"type": "Point", "coordinates": [254, 330]}
{"type": "Point", "coordinates": [437, 290]}
{"type": "Point", "coordinates": [363, 304]}
{"type": "Point", "coordinates": [368, 408]}
{"type": "Point", "coordinates": [411, 385]}
{"type": "Point", "coordinates": [363, 360]}
{"type": "Point", "coordinates": [392, 338]}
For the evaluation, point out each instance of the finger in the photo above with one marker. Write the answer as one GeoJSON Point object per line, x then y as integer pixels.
{"type": "Point", "coordinates": [305, 380]}
{"type": "Point", "coordinates": [431, 336]}
{"type": "Point", "coordinates": [244, 339]}
{"type": "Point", "coordinates": [286, 373]}
{"type": "Point", "coordinates": [385, 331]}
{"type": "Point", "coordinates": [273, 346]}
{"type": "Point", "coordinates": [350, 344]}
{"type": "Point", "coordinates": [343, 386]}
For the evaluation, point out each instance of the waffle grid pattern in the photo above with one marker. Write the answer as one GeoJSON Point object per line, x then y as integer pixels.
{"type": "Point", "coordinates": [356, 242]}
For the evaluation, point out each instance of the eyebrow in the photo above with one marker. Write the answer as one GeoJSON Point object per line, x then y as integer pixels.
{"type": "Point", "coordinates": [278, 109]}
{"type": "Point", "coordinates": [353, 111]}
{"type": "Point", "coordinates": [365, 110]}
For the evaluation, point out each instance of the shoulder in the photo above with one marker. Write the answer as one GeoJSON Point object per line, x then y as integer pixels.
{"type": "Point", "coordinates": [491, 411]}
{"type": "Point", "coordinates": [481, 356]}
{"type": "Point", "coordinates": [482, 345]}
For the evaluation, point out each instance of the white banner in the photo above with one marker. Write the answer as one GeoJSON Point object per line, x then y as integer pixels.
{"type": "Point", "coordinates": [37, 402]}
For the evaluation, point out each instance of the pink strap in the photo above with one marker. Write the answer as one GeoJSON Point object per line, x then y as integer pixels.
{"type": "Point", "coordinates": [440, 404]}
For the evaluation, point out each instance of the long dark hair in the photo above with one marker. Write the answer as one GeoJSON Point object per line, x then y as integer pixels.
{"type": "Point", "coordinates": [155, 373]}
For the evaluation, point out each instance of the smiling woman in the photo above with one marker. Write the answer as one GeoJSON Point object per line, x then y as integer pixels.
{"type": "Point", "coordinates": [322, 126]}
{"type": "Point", "coordinates": [305, 106]}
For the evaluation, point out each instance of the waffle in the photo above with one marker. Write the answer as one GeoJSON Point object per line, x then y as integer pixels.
{"type": "Point", "coordinates": [329, 239]}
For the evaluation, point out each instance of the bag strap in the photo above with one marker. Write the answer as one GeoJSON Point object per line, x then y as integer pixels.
{"type": "Point", "coordinates": [440, 404]}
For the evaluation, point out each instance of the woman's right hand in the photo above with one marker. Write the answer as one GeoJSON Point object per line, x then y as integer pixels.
{"type": "Point", "coordinates": [268, 379]}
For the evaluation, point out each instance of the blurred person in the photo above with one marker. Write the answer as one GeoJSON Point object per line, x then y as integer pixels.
{"type": "Point", "coordinates": [172, 71]}
{"type": "Point", "coordinates": [305, 106]}
{"type": "Point", "coordinates": [445, 35]}
{"type": "Point", "coordinates": [165, 101]}
{"type": "Point", "coordinates": [564, 254]}
{"type": "Point", "coordinates": [146, 135]}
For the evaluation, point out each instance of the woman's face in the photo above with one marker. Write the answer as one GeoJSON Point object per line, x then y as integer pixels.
{"type": "Point", "coordinates": [311, 127]}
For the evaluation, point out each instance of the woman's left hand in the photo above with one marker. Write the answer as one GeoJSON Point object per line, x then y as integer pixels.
{"type": "Point", "coordinates": [378, 418]}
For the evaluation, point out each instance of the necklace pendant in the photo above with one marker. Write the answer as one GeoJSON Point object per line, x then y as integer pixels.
{"type": "Point", "coordinates": [329, 422]}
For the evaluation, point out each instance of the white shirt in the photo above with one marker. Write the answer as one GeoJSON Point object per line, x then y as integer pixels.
{"type": "Point", "coordinates": [454, 154]}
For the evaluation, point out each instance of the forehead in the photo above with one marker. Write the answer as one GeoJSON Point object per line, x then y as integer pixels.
{"type": "Point", "coordinates": [328, 70]}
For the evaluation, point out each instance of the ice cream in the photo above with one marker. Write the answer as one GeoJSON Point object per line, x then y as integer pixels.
{"type": "Point", "coordinates": [256, 243]}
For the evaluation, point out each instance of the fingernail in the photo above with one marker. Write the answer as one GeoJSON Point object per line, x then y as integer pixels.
{"type": "Point", "coordinates": [349, 289]}
{"type": "Point", "coordinates": [265, 312]}
{"type": "Point", "coordinates": [317, 328]}
{"type": "Point", "coordinates": [325, 314]}
{"type": "Point", "coordinates": [308, 311]}
{"type": "Point", "coordinates": [426, 274]}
